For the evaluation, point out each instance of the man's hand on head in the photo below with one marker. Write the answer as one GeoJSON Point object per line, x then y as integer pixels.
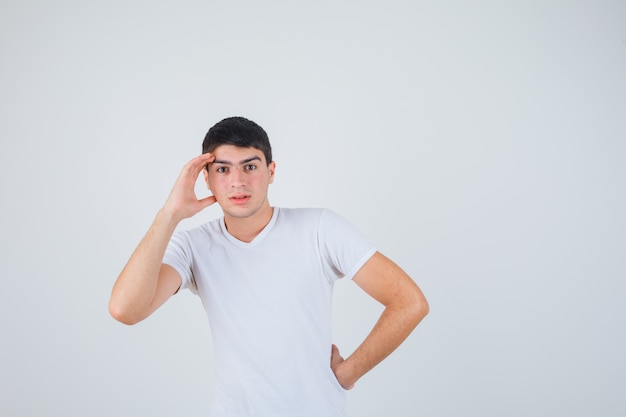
{"type": "Point", "coordinates": [183, 201]}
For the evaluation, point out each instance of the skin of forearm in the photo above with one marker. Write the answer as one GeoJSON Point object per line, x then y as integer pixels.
{"type": "Point", "coordinates": [392, 328]}
{"type": "Point", "coordinates": [135, 288]}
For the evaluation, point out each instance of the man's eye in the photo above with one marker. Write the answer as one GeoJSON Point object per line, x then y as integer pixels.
{"type": "Point", "coordinates": [221, 169]}
{"type": "Point", "coordinates": [250, 167]}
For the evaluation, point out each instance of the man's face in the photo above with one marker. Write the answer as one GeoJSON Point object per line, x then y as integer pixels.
{"type": "Point", "coordinates": [239, 179]}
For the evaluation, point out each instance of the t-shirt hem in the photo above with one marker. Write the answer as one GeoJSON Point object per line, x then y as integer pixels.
{"type": "Point", "coordinates": [360, 263]}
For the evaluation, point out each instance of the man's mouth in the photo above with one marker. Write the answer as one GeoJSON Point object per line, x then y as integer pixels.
{"type": "Point", "coordinates": [240, 198]}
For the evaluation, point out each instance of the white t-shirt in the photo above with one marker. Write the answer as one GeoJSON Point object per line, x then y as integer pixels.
{"type": "Point", "coordinates": [269, 308]}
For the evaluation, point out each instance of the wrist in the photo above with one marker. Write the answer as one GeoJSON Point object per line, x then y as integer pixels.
{"type": "Point", "coordinates": [167, 218]}
{"type": "Point", "coordinates": [345, 375]}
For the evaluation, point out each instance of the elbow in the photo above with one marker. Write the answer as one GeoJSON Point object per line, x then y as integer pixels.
{"type": "Point", "coordinates": [121, 314]}
{"type": "Point", "coordinates": [424, 308]}
{"type": "Point", "coordinates": [419, 308]}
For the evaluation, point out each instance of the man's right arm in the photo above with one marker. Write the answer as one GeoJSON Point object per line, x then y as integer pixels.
{"type": "Point", "coordinates": [146, 283]}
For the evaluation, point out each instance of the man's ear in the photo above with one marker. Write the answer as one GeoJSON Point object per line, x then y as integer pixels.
{"type": "Point", "coordinates": [205, 171]}
{"type": "Point", "coordinates": [272, 169]}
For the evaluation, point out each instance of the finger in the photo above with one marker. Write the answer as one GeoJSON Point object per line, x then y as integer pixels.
{"type": "Point", "coordinates": [193, 168]}
{"type": "Point", "coordinates": [207, 201]}
{"type": "Point", "coordinates": [199, 162]}
{"type": "Point", "coordinates": [207, 160]}
{"type": "Point", "coordinates": [335, 356]}
{"type": "Point", "coordinates": [207, 156]}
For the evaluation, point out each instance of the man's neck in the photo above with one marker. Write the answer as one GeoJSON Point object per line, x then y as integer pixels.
{"type": "Point", "coordinates": [247, 228]}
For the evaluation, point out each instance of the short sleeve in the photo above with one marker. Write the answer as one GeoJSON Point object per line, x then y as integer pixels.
{"type": "Point", "coordinates": [343, 248]}
{"type": "Point", "coordinates": [178, 255]}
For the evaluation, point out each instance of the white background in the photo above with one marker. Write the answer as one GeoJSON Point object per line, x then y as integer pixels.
{"type": "Point", "coordinates": [481, 145]}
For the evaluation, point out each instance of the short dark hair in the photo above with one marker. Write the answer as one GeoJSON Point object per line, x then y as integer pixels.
{"type": "Point", "coordinates": [238, 131]}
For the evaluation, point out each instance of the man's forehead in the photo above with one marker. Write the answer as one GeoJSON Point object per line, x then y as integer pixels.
{"type": "Point", "coordinates": [231, 154]}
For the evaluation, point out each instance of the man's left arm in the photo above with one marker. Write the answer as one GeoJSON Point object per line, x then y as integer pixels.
{"type": "Point", "coordinates": [405, 307]}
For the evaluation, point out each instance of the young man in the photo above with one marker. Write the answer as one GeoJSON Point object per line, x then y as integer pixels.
{"type": "Point", "coordinates": [265, 276]}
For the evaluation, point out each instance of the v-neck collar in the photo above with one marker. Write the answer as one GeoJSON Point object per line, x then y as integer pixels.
{"type": "Point", "coordinates": [268, 227]}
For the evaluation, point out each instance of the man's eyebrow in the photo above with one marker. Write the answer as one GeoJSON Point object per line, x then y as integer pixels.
{"type": "Point", "coordinates": [245, 161]}
{"type": "Point", "coordinates": [253, 158]}
{"type": "Point", "coordinates": [220, 161]}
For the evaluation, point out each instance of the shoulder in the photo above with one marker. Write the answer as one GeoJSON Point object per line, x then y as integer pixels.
{"type": "Point", "coordinates": [317, 218]}
{"type": "Point", "coordinates": [308, 215]}
{"type": "Point", "coordinates": [201, 232]}
{"type": "Point", "coordinates": [299, 214]}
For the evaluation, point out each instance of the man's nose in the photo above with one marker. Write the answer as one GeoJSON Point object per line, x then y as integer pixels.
{"type": "Point", "coordinates": [237, 178]}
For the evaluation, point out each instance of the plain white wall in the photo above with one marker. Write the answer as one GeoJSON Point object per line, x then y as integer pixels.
{"type": "Point", "coordinates": [481, 145]}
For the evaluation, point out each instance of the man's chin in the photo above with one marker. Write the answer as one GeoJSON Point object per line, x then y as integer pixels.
{"type": "Point", "coordinates": [239, 212]}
